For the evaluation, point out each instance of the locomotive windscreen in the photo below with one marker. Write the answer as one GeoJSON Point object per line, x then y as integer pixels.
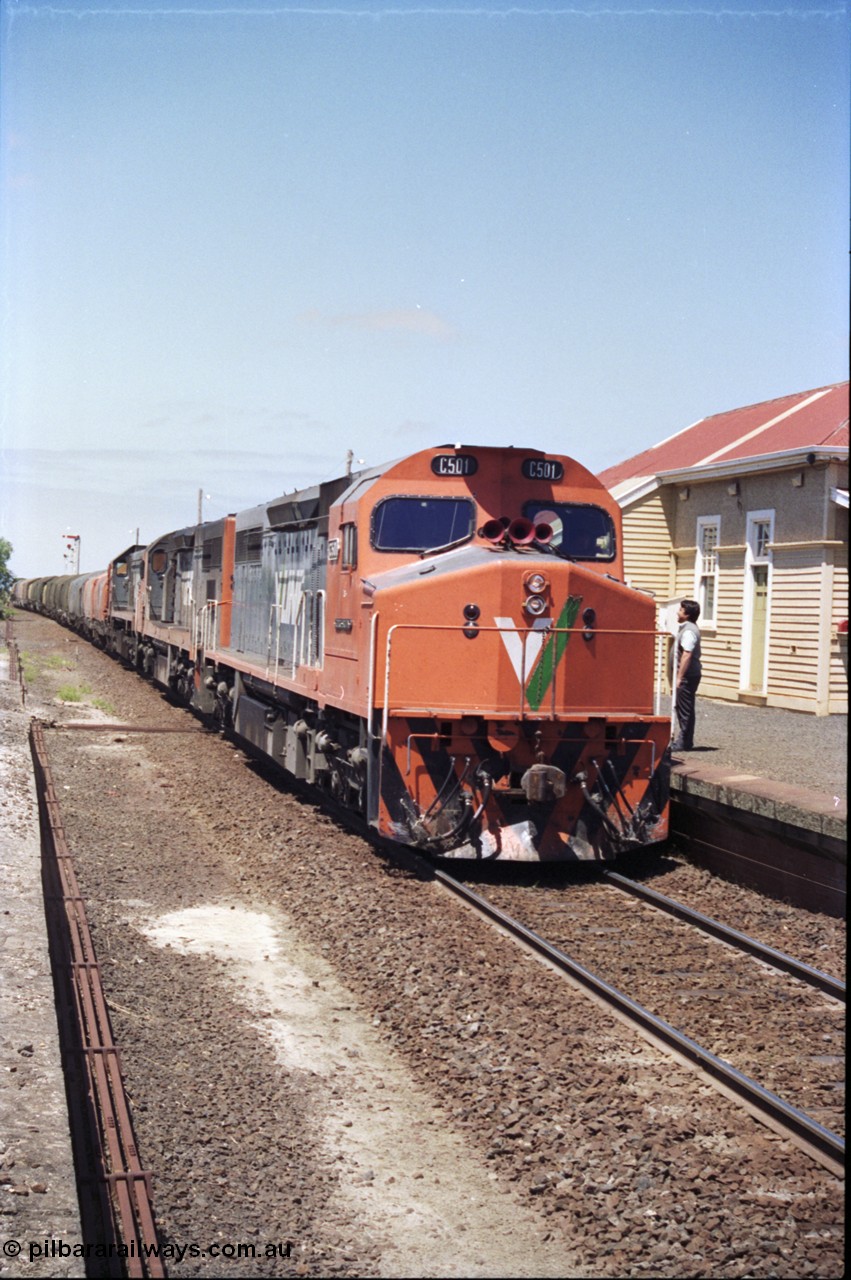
{"type": "Point", "coordinates": [580, 531]}
{"type": "Point", "coordinates": [421, 524]}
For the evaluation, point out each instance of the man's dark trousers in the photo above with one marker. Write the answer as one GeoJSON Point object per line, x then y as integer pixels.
{"type": "Point", "coordinates": [686, 710]}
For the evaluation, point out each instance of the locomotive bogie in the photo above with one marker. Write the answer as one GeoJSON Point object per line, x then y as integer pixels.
{"type": "Point", "coordinates": [318, 746]}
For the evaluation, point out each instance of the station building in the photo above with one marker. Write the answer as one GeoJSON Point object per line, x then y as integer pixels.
{"type": "Point", "coordinates": [747, 512]}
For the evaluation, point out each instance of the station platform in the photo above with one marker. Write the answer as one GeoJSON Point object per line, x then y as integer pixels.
{"type": "Point", "coordinates": [38, 1192]}
{"type": "Point", "coordinates": [780, 764]}
{"type": "Point", "coordinates": [762, 800]}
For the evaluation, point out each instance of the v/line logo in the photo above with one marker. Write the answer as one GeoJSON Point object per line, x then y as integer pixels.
{"type": "Point", "coordinates": [536, 653]}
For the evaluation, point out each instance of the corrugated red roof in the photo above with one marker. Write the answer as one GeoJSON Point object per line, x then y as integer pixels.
{"type": "Point", "coordinates": [807, 420]}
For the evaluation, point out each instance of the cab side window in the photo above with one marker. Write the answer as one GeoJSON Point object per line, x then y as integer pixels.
{"type": "Point", "coordinates": [349, 539]}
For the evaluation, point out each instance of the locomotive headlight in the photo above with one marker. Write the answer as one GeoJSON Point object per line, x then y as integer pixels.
{"type": "Point", "coordinates": [536, 583]}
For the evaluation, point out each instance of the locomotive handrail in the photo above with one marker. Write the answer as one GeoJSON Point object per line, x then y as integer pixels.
{"type": "Point", "coordinates": [371, 674]}
{"type": "Point", "coordinates": [275, 608]}
{"type": "Point", "coordinates": [206, 625]}
{"type": "Point", "coordinates": [316, 630]}
{"type": "Point", "coordinates": [308, 635]}
{"type": "Point", "coordinates": [497, 630]}
{"type": "Point", "coordinates": [272, 608]}
{"type": "Point", "coordinates": [660, 673]}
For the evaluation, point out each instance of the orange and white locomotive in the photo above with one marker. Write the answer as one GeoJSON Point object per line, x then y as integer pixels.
{"type": "Point", "coordinates": [445, 643]}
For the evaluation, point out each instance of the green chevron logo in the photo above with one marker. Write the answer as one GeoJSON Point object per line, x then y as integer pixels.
{"type": "Point", "coordinates": [552, 652]}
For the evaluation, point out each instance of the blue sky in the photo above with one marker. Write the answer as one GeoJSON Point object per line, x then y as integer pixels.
{"type": "Point", "coordinates": [241, 239]}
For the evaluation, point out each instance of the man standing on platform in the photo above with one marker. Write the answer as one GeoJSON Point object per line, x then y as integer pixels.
{"type": "Point", "coordinates": [687, 673]}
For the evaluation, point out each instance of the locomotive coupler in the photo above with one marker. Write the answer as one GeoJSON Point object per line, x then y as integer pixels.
{"type": "Point", "coordinates": [543, 782]}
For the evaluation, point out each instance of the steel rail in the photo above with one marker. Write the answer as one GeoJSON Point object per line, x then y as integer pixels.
{"type": "Point", "coordinates": [827, 1147]}
{"type": "Point", "coordinates": [777, 959]}
{"type": "Point", "coordinates": [115, 1191]}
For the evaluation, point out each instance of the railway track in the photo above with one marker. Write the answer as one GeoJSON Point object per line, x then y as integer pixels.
{"type": "Point", "coordinates": [734, 937]}
{"type": "Point", "coordinates": [782, 1116]}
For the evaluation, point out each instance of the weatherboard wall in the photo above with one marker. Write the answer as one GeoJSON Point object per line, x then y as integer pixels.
{"type": "Point", "coordinates": [806, 666]}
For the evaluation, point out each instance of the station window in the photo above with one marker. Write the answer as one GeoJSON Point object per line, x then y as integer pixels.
{"type": "Point", "coordinates": [706, 568]}
{"type": "Point", "coordinates": [421, 524]}
{"type": "Point", "coordinates": [761, 538]}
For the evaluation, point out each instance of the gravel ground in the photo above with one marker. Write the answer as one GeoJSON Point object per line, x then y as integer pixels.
{"type": "Point", "coordinates": [786, 746]}
{"type": "Point", "coordinates": [321, 1047]}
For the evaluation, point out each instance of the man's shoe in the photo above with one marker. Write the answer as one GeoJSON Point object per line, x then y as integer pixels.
{"type": "Point", "coordinates": [677, 745]}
